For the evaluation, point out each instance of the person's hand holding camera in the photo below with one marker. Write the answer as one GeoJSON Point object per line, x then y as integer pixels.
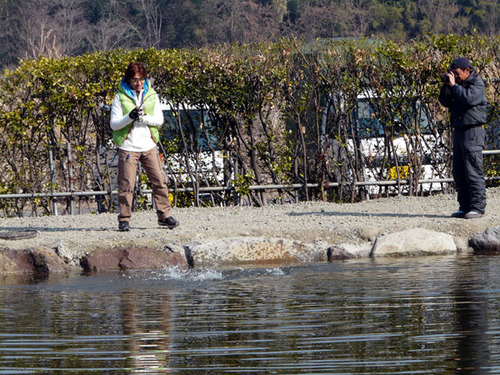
{"type": "Point", "coordinates": [449, 79]}
{"type": "Point", "coordinates": [134, 114]}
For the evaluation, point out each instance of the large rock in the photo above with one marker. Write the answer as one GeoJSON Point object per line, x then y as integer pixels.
{"type": "Point", "coordinates": [64, 251]}
{"type": "Point", "coordinates": [336, 253]}
{"type": "Point", "coordinates": [349, 251]}
{"type": "Point", "coordinates": [38, 262]}
{"type": "Point", "coordinates": [131, 259]}
{"type": "Point", "coordinates": [252, 250]}
{"type": "Point", "coordinates": [487, 241]}
{"type": "Point", "coordinates": [414, 242]}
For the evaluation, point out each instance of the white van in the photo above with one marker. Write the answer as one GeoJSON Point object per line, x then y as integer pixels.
{"type": "Point", "coordinates": [368, 140]}
{"type": "Point", "coordinates": [191, 144]}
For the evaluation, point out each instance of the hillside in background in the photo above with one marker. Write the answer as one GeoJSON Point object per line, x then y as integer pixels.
{"type": "Point", "coordinates": [56, 28]}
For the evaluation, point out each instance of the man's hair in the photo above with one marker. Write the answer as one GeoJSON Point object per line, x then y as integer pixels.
{"type": "Point", "coordinates": [133, 69]}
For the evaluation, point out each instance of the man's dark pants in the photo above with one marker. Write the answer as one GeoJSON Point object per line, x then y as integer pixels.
{"type": "Point", "coordinates": [468, 145]}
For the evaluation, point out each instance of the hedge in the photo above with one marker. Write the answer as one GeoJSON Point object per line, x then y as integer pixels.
{"type": "Point", "coordinates": [281, 113]}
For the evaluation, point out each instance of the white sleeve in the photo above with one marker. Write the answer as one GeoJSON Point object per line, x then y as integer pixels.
{"type": "Point", "coordinates": [118, 120]}
{"type": "Point", "coordinates": [155, 119]}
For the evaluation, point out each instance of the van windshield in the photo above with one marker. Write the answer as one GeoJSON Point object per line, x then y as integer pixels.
{"type": "Point", "coordinates": [369, 126]}
{"type": "Point", "coordinates": [196, 127]}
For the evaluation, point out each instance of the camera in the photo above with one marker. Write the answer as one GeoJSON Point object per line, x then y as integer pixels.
{"type": "Point", "coordinates": [445, 78]}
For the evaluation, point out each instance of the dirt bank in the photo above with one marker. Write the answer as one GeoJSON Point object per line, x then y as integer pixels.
{"type": "Point", "coordinates": [330, 223]}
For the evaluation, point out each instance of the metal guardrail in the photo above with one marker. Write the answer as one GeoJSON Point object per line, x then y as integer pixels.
{"type": "Point", "coordinates": [230, 188]}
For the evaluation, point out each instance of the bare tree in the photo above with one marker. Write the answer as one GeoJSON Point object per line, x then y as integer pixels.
{"type": "Point", "coordinates": [153, 10]}
{"type": "Point", "coordinates": [315, 19]}
{"type": "Point", "coordinates": [51, 28]}
{"type": "Point", "coordinates": [148, 24]}
{"type": "Point", "coordinates": [356, 17]}
{"type": "Point", "coordinates": [343, 18]}
{"type": "Point", "coordinates": [280, 9]}
{"type": "Point", "coordinates": [440, 16]}
{"type": "Point", "coordinates": [70, 25]}
{"type": "Point", "coordinates": [248, 20]}
{"type": "Point", "coordinates": [10, 44]}
{"type": "Point", "coordinates": [37, 29]}
{"type": "Point", "coordinates": [490, 11]}
{"type": "Point", "coordinates": [110, 32]}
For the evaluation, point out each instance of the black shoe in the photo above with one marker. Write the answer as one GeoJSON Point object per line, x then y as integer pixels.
{"type": "Point", "coordinates": [168, 222]}
{"type": "Point", "coordinates": [123, 226]}
{"type": "Point", "coordinates": [460, 214]}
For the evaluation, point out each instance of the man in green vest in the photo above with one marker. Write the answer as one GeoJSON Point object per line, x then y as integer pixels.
{"type": "Point", "coordinates": [135, 118]}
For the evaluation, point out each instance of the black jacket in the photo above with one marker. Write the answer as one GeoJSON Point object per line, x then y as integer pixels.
{"type": "Point", "coordinates": [466, 101]}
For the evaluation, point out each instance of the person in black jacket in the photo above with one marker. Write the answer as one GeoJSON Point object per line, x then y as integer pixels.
{"type": "Point", "coordinates": [464, 94]}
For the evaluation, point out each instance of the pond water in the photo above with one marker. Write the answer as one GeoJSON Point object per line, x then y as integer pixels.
{"type": "Point", "coordinates": [430, 315]}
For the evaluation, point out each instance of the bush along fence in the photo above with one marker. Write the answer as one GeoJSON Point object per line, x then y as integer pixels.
{"type": "Point", "coordinates": [331, 120]}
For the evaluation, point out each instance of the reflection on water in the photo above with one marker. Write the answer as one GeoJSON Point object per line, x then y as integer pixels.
{"type": "Point", "coordinates": [148, 332]}
{"type": "Point", "coordinates": [401, 316]}
{"type": "Point", "coordinates": [471, 306]}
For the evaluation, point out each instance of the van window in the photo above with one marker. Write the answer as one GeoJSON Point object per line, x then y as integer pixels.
{"type": "Point", "coordinates": [369, 126]}
{"type": "Point", "coordinates": [196, 126]}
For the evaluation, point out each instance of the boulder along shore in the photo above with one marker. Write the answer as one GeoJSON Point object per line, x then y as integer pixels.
{"type": "Point", "coordinates": [220, 236]}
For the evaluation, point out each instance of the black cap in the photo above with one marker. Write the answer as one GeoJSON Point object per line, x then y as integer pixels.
{"type": "Point", "coordinates": [460, 62]}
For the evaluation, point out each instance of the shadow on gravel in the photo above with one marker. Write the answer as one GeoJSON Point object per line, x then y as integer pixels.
{"type": "Point", "coordinates": [56, 229]}
{"type": "Point", "coordinates": [364, 214]}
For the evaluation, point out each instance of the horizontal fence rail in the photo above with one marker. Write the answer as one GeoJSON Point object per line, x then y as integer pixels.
{"type": "Point", "coordinates": [214, 189]}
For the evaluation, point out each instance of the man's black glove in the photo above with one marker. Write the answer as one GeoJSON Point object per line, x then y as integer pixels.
{"type": "Point", "coordinates": [134, 114]}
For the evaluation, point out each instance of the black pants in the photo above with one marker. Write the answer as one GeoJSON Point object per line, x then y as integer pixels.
{"type": "Point", "coordinates": [468, 145]}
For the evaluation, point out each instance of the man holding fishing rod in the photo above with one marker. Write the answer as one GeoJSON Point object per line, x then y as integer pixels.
{"type": "Point", "coordinates": [135, 118]}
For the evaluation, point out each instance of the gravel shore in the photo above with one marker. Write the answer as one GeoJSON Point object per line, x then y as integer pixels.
{"type": "Point", "coordinates": [331, 223]}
